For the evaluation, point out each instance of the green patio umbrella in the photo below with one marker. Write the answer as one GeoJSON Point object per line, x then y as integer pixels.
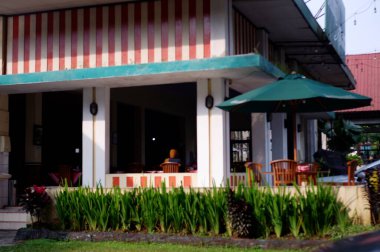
{"type": "Point", "coordinates": [295, 94]}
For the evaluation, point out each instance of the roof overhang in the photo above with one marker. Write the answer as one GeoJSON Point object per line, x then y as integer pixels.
{"type": "Point", "coordinates": [251, 67]}
{"type": "Point", "coordinates": [291, 25]}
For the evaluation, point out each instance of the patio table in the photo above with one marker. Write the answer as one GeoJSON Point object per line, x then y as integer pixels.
{"type": "Point", "coordinates": [305, 173]}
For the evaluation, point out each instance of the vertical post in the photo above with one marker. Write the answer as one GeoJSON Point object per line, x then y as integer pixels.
{"type": "Point", "coordinates": [261, 149]}
{"type": "Point", "coordinates": [4, 119]}
{"type": "Point", "coordinates": [203, 138]}
{"type": "Point", "coordinates": [87, 139]}
{"type": "Point", "coordinates": [95, 138]}
{"type": "Point", "coordinates": [211, 134]}
{"type": "Point", "coordinates": [279, 136]}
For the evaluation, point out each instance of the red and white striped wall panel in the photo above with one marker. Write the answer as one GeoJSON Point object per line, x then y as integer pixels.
{"type": "Point", "coordinates": [131, 33]}
{"type": "Point", "coordinates": [244, 34]}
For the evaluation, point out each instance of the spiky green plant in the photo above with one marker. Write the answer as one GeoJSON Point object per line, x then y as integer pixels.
{"type": "Point", "coordinates": [191, 211]}
{"type": "Point", "coordinates": [278, 209]}
{"type": "Point", "coordinates": [373, 193]}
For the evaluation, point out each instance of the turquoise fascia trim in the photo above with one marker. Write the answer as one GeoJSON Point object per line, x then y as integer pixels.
{"type": "Point", "coordinates": [220, 63]}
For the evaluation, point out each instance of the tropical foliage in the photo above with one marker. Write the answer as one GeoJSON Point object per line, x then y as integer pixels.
{"type": "Point", "coordinates": [245, 212]}
{"type": "Point", "coordinates": [373, 193]}
{"type": "Point", "coordinates": [34, 201]}
{"type": "Point", "coordinates": [342, 135]}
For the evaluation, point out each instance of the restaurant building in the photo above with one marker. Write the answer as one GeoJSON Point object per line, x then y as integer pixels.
{"type": "Point", "coordinates": [107, 88]}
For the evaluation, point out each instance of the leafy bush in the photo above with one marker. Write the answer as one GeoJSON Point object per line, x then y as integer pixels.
{"type": "Point", "coordinates": [355, 157]}
{"type": "Point", "coordinates": [373, 193]}
{"type": "Point", "coordinates": [247, 212]}
{"type": "Point", "coordinates": [34, 201]}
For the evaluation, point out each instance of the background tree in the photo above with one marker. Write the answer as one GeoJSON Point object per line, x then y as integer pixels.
{"type": "Point", "coordinates": [342, 135]}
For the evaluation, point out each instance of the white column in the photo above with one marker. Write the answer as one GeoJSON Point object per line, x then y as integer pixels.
{"type": "Point", "coordinates": [203, 136]}
{"type": "Point", "coordinates": [211, 135]}
{"type": "Point", "coordinates": [87, 139]}
{"type": "Point", "coordinates": [261, 149]}
{"type": "Point", "coordinates": [95, 136]}
{"type": "Point", "coordinates": [279, 137]}
{"type": "Point", "coordinates": [219, 135]}
{"type": "Point", "coordinates": [300, 139]}
{"type": "Point", "coordinates": [312, 141]}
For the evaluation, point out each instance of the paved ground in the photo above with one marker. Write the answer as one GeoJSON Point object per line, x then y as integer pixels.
{"type": "Point", "coordinates": [7, 237]}
{"type": "Point", "coordinates": [369, 242]}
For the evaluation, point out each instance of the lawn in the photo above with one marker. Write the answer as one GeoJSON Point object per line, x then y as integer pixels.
{"type": "Point", "coordinates": [76, 246]}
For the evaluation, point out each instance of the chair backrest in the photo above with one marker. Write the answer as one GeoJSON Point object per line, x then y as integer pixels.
{"type": "Point", "coordinates": [64, 173]}
{"type": "Point", "coordinates": [284, 171]}
{"type": "Point", "coordinates": [253, 172]}
{"type": "Point", "coordinates": [351, 168]}
{"type": "Point", "coordinates": [169, 167]}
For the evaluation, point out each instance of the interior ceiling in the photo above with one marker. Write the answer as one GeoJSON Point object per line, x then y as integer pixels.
{"type": "Point", "coordinates": [288, 29]}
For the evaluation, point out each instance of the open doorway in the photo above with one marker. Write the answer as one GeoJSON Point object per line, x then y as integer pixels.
{"type": "Point", "coordinates": [45, 132]}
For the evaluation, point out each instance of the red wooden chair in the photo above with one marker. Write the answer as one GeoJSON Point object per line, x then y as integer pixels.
{"type": "Point", "coordinates": [170, 167]}
{"type": "Point", "coordinates": [253, 172]}
{"type": "Point", "coordinates": [284, 171]}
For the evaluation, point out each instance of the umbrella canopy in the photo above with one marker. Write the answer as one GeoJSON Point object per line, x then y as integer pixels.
{"type": "Point", "coordinates": [295, 93]}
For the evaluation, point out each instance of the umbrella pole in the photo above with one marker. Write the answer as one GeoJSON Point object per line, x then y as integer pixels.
{"type": "Point", "coordinates": [294, 126]}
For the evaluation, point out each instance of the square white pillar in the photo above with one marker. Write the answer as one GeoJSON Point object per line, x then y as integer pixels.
{"type": "Point", "coordinates": [212, 134]}
{"type": "Point", "coordinates": [312, 139]}
{"type": "Point", "coordinates": [279, 136]}
{"type": "Point", "coordinates": [95, 136]}
{"type": "Point", "coordinates": [261, 146]}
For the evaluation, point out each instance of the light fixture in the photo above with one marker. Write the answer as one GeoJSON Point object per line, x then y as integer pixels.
{"type": "Point", "coordinates": [209, 101]}
{"type": "Point", "coordinates": [93, 108]}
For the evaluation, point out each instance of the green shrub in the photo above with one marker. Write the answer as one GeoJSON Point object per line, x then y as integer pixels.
{"type": "Point", "coordinates": [313, 212]}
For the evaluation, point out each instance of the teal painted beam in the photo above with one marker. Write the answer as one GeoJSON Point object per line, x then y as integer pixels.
{"type": "Point", "coordinates": [221, 63]}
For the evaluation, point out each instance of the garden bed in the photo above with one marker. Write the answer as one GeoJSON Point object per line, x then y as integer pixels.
{"type": "Point", "coordinates": [28, 234]}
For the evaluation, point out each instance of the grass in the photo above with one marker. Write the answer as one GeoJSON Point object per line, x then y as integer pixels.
{"type": "Point", "coordinates": [79, 246]}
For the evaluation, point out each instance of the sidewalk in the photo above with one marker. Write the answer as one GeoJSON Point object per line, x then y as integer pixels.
{"type": "Point", "coordinates": [369, 242]}
{"type": "Point", "coordinates": [7, 237]}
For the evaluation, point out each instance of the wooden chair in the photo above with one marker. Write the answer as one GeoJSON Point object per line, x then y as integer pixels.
{"type": "Point", "coordinates": [253, 173]}
{"type": "Point", "coordinates": [170, 167]}
{"type": "Point", "coordinates": [351, 168]}
{"type": "Point", "coordinates": [64, 171]}
{"type": "Point", "coordinates": [284, 171]}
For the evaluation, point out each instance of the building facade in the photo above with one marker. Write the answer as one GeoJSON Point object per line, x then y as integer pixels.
{"type": "Point", "coordinates": [145, 68]}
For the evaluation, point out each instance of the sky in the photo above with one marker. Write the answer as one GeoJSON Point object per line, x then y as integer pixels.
{"type": "Point", "coordinates": [362, 28]}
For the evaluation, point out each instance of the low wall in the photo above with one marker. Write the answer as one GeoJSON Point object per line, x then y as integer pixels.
{"type": "Point", "coordinates": [132, 180]}
{"type": "Point", "coordinates": [353, 197]}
